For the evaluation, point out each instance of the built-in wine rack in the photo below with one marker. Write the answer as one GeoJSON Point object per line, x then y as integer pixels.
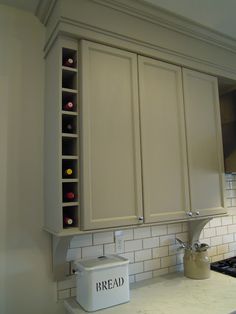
{"type": "Point", "coordinates": [69, 138]}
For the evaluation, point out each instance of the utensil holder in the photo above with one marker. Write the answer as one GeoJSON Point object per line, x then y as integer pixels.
{"type": "Point", "coordinates": [196, 264]}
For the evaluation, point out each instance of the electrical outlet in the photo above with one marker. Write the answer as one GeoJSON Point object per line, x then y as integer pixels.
{"type": "Point", "coordinates": [119, 241]}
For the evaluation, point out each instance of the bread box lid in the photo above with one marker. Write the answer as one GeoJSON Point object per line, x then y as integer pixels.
{"type": "Point", "coordinates": [101, 262]}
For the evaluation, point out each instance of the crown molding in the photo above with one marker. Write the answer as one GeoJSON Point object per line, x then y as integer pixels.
{"type": "Point", "coordinates": [174, 22]}
{"type": "Point", "coordinates": [44, 10]}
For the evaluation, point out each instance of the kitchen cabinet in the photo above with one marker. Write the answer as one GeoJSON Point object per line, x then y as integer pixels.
{"type": "Point", "coordinates": [204, 145]}
{"type": "Point", "coordinates": [111, 190]}
{"type": "Point", "coordinates": [164, 159]}
{"type": "Point", "coordinates": [147, 143]}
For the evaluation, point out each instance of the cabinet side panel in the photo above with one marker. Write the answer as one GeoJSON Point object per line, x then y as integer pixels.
{"type": "Point", "coordinates": [204, 142]}
{"type": "Point", "coordinates": [163, 141]}
{"type": "Point", "coordinates": [111, 175]}
{"type": "Point", "coordinates": [52, 150]}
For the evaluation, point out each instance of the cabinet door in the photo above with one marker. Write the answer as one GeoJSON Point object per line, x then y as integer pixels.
{"type": "Point", "coordinates": [205, 158]}
{"type": "Point", "coordinates": [165, 183]}
{"type": "Point", "coordinates": [111, 192]}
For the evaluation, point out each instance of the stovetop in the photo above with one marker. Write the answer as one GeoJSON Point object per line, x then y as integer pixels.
{"type": "Point", "coordinates": [226, 266]}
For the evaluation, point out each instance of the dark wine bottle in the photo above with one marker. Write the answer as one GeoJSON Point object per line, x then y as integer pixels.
{"type": "Point", "coordinates": [68, 221]}
{"type": "Point", "coordinates": [68, 106]}
{"type": "Point", "coordinates": [68, 62]}
{"type": "Point", "coordinates": [69, 196]}
{"type": "Point", "coordinates": [67, 128]}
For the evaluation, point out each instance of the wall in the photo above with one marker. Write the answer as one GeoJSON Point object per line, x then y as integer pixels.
{"type": "Point", "coordinates": [152, 251]}
{"type": "Point", "coordinates": [26, 286]}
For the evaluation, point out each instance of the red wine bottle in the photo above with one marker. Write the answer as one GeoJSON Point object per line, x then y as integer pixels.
{"type": "Point", "coordinates": [68, 221]}
{"type": "Point", "coordinates": [68, 62]}
{"type": "Point", "coordinates": [68, 106]}
{"type": "Point", "coordinates": [69, 196]}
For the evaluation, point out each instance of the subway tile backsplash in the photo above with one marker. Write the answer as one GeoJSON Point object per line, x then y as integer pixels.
{"type": "Point", "coordinates": [152, 251]}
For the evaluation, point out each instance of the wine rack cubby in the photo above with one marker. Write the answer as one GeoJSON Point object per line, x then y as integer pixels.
{"type": "Point", "coordinates": [69, 138]}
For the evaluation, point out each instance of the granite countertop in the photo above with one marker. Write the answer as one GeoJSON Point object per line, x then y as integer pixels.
{"type": "Point", "coordinates": [174, 293]}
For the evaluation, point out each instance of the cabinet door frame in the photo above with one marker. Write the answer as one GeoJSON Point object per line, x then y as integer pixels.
{"type": "Point", "coordinates": [207, 210]}
{"type": "Point", "coordinates": [154, 210]}
{"type": "Point", "coordinates": [88, 221]}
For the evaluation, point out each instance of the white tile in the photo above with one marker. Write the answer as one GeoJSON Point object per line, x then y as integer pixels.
{"type": "Point", "coordinates": [168, 261]}
{"type": "Point", "coordinates": [234, 219]}
{"type": "Point", "coordinates": [73, 292]}
{"type": "Point", "coordinates": [230, 193]}
{"type": "Point", "coordinates": [135, 268]}
{"type": "Point", "coordinates": [129, 256]}
{"type": "Point", "coordinates": [216, 222]}
{"type": "Point", "coordinates": [63, 294]}
{"type": "Point", "coordinates": [221, 249]}
{"type": "Point", "coordinates": [221, 230]}
{"type": "Point", "coordinates": [231, 228]}
{"type": "Point", "coordinates": [216, 240]}
{"type": "Point", "coordinates": [185, 226]}
{"type": "Point", "coordinates": [81, 241]}
{"type": "Point", "coordinates": [209, 232]}
{"type": "Point", "coordinates": [159, 230]}
{"type": "Point", "coordinates": [152, 264]}
{"type": "Point", "coordinates": [232, 246]}
{"type": "Point", "coordinates": [183, 236]}
{"type": "Point", "coordinates": [103, 237]}
{"type": "Point", "coordinates": [92, 251]}
{"type": "Point", "coordinates": [131, 279]}
{"type": "Point", "coordinates": [174, 228]}
{"type": "Point", "coordinates": [176, 268]}
{"type": "Point", "coordinates": [128, 234]}
{"type": "Point", "coordinates": [228, 202]}
{"type": "Point", "coordinates": [160, 272]}
{"type": "Point", "coordinates": [228, 238]}
{"type": "Point", "coordinates": [151, 242]}
{"type": "Point", "coordinates": [160, 252]}
{"type": "Point", "coordinates": [212, 251]}
{"type": "Point", "coordinates": [167, 240]}
{"type": "Point", "coordinates": [141, 233]}
{"type": "Point", "coordinates": [233, 201]}
{"type": "Point", "coordinates": [143, 276]}
{"type": "Point", "coordinates": [143, 255]}
{"type": "Point", "coordinates": [133, 245]}
{"type": "Point", "coordinates": [73, 254]}
{"type": "Point", "coordinates": [66, 284]}
{"type": "Point", "coordinates": [217, 258]}
{"type": "Point", "coordinates": [227, 220]}
{"type": "Point", "coordinates": [173, 249]}
{"type": "Point", "coordinates": [228, 255]}
{"type": "Point", "coordinates": [179, 258]}
{"type": "Point", "coordinates": [109, 249]}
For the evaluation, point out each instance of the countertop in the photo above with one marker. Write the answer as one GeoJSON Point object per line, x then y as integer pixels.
{"type": "Point", "coordinates": [174, 293]}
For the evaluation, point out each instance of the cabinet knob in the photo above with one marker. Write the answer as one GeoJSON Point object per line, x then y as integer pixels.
{"type": "Point", "coordinates": [197, 213]}
{"type": "Point", "coordinates": [190, 214]}
{"type": "Point", "coordinates": [140, 218]}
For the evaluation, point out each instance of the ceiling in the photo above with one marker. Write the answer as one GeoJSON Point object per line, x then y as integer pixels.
{"type": "Point", "coordinates": [218, 15]}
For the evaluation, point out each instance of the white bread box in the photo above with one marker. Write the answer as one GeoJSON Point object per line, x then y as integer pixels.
{"type": "Point", "coordinates": [102, 282]}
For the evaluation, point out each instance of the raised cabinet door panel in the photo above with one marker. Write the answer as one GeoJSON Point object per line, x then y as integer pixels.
{"type": "Point", "coordinates": [164, 164]}
{"type": "Point", "coordinates": [111, 192]}
{"type": "Point", "coordinates": [205, 158]}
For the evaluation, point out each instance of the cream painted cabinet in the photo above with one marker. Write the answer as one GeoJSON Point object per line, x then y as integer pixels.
{"type": "Point", "coordinates": [204, 147]}
{"type": "Point", "coordinates": [164, 162]}
{"type": "Point", "coordinates": [111, 192]}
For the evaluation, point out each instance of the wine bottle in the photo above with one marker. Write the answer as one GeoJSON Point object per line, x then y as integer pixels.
{"type": "Point", "coordinates": [68, 221]}
{"type": "Point", "coordinates": [69, 196]}
{"type": "Point", "coordinates": [67, 128]}
{"type": "Point", "coordinates": [68, 62]}
{"type": "Point", "coordinates": [68, 172]}
{"type": "Point", "coordinates": [68, 106]}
